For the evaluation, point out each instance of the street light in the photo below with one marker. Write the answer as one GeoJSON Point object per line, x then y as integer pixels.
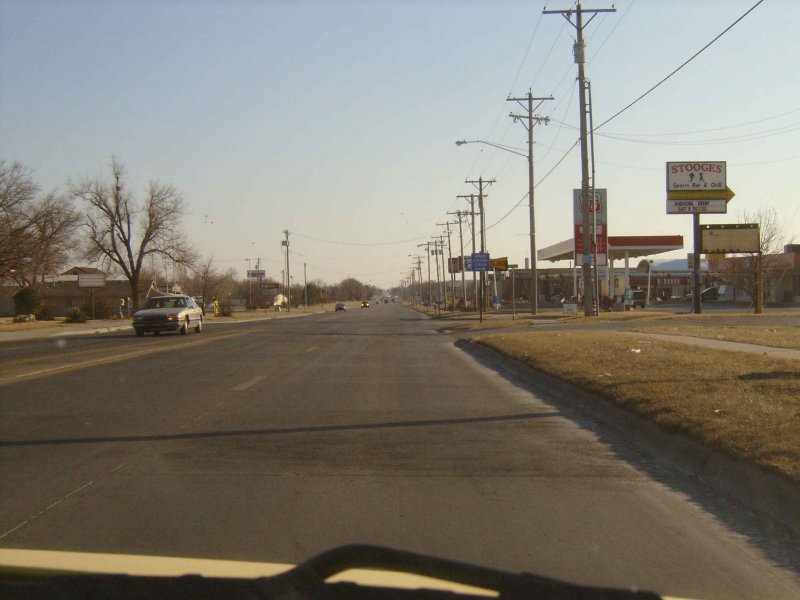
{"type": "Point", "coordinates": [533, 286]}
{"type": "Point", "coordinates": [511, 149]}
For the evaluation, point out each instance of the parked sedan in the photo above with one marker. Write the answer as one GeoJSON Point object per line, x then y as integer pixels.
{"type": "Point", "coordinates": [168, 313]}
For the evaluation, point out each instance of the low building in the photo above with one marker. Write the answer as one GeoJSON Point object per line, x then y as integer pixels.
{"type": "Point", "coordinates": [62, 294]}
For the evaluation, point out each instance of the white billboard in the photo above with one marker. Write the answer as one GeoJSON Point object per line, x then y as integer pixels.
{"type": "Point", "coordinates": [696, 176]}
{"type": "Point", "coordinates": [91, 280]}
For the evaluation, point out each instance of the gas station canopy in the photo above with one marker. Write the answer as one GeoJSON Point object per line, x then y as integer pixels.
{"type": "Point", "coordinates": [619, 247]}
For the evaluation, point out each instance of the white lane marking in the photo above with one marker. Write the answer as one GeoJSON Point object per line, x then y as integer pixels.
{"type": "Point", "coordinates": [311, 349]}
{"type": "Point", "coordinates": [246, 385]}
{"type": "Point", "coordinates": [44, 510]}
{"type": "Point", "coordinates": [59, 501]}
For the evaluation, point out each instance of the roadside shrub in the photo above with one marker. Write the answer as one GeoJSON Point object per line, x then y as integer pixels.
{"type": "Point", "coordinates": [45, 314]}
{"type": "Point", "coordinates": [225, 309]}
{"type": "Point", "coordinates": [76, 315]}
{"type": "Point", "coordinates": [27, 301]}
{"type": "Point", "coordinates": [104, 308]}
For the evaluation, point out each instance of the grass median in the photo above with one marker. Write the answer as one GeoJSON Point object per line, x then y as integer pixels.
{"type": "Point", "coordinates": [746, 405]}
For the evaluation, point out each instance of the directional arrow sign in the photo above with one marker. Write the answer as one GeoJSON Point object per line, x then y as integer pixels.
{"type": "Point", "coordinates": [726, 194]}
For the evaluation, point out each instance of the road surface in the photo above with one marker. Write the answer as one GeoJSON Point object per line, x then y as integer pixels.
{"type": "Point", "coordinates": [275, 440]}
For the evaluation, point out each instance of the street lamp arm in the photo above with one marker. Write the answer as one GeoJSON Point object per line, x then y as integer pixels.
{"type": "Point", "coordinates": [493, 145]}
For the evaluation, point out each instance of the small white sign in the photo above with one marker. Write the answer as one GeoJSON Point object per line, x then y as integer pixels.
{"type": "Point", "coordinates": [570, 309]}
{"type": "Point", "coordinates": [91, 280]}
{"type": "Point", "coordinates": [696, 176]}
{"type": "Point", "coordinates": [680, 207]}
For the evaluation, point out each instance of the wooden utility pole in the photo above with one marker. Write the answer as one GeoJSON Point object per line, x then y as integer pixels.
{"type": "Point", "coordinates": [480, 184]}
{"type": "Point", "coordinates": [288, 278]}
{"type": "Point", "coordinates": [579, 52]}
{"type": "Point", "coordinates": [528, 121]}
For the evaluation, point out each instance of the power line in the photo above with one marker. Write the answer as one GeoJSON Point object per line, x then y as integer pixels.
{"type": "Point", "coordinates": [339, 243]}
{"type": "Point", "coordinates": [695, 55]}
{"type": "Point", "coordinates": [745, 137]}
{"type": "Point", "coordinates": [709, 130]}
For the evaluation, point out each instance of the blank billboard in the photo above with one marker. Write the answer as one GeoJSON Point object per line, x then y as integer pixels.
{"type": "Point", "coordinates": [730, 239]}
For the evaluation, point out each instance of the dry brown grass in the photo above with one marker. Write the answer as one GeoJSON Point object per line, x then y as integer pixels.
{"type": "Point", "coordinates": [775, 336]}
{"type": "Point", "coordinates": [746, 405]}
{"type": "Point", "coordinates": [7, 324]}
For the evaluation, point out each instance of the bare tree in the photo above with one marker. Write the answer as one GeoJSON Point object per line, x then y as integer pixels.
{"type": "Point", "coordinates": [742, 271]}
{"type": "Point", "coordinates": [122, 233]}
{"type": "Point", "coordinates": [36, 233]}
{"type": "Point", "coordinates": [209, 282]}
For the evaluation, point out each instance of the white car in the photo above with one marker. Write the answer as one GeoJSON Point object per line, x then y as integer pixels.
{"type": "Point", "coordinates": [168, 313]}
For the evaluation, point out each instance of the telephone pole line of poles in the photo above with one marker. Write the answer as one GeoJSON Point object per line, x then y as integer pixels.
{"type": "Point", "coordinates": [528, 120]}
{"type": "Point", "coordinates": [428, 254]}
{"type": "Point", "coordinates": [471, 198]}
{"type": "Point", "coordinates": [587, 203]}
{"type": "Point", "coordinates": [450, 271]}
{"type": "Point", "coordinates": [459, 214]}
{"type": "Point", "coordinates": [480, 184]}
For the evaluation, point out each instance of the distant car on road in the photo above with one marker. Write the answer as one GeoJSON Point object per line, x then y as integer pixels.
{"type": "Point", "coordinates": [341, 306]}
{"type": "Point", "coordinates": [168, 313]}
{"type": "Point", "coordinates": [365, 304]}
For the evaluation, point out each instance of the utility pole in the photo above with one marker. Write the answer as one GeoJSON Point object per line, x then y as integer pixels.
{"type": "Point", "coordinates": [528, 120]}
{"type": "Point", "coordinates": [458, 213]}
{"type": "Point", "coordinates": [288, 279]}
{"type": "Point", "coordinates": [419, 277]}
{"type": "Point", "coordinates": [428, 254]}
{"type": "Point", "coordinates": [305, 285]}
{"type": "Point", "coordinates": [579, 52]}
{"type": "Point", "coordinates": [450, 270]}
{"type": "Point", "coordinates": [471, 198]}
{"type": "Point", "coordinates": [436, 253]}
{"type": "Point", "coordinates": [480, 184]}
{"type": "Point", "coordinates": [444, 269]}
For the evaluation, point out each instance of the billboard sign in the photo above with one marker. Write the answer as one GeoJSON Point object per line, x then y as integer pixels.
{"type": "Point", "coordinates": [691, 176]}
{"type": "Point", "coordinates": [499, 264]}
{"type": "Point", "coordinates": [600, 209]}
{"type": "Point", "coordinates": [716, 206]}
{"type": "Point", "coordinates": [256, 273]}
{"type": "Point", "coordinates": [91, 280]}
{"type": "Point", "coordinates": [731, 239]}
{"type": "Point", "coordinates": [481, 262]}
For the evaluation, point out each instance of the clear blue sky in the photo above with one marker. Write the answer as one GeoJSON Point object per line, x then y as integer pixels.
{"type": "Point", "coordinates": [337, 120]}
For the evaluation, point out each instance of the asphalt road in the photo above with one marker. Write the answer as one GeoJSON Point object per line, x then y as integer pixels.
{"type": "Point", "coordinates": [275, 440]}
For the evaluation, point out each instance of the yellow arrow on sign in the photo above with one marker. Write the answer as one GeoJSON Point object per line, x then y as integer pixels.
{"type": "Point", "coordinates": [726, 195]}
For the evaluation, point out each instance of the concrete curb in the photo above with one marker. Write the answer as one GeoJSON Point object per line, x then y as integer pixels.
{"type": "Point", "coordinates": [755, 487]}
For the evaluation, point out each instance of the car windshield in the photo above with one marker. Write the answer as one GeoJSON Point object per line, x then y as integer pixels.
{"type": "Point", "coordinates": [566, 236]}
{"type": "Point", "coordinates": [165, 303]}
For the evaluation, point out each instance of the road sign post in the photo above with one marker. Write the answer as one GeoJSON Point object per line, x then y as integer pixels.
{"type": "Point", "coordinates": [697, 188]}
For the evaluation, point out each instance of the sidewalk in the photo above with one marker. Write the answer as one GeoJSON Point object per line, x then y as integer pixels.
{"type": "Point", "coordinates": [67, 329]}
{"type": "Point", "coordinates": [787, 353]}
